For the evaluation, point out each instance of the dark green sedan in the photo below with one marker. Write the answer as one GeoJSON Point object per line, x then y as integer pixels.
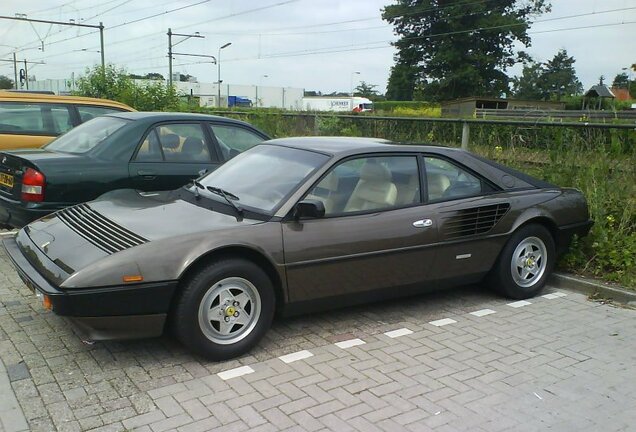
{"type": "Point", "coordinates": [144, 151]}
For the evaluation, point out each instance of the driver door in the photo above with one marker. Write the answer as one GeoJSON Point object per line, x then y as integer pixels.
{"type": "Point", "coordinates": [376, 232]}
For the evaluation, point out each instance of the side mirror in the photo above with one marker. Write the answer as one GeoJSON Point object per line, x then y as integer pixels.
{"type": "Point", "coordinates": [309, 208]}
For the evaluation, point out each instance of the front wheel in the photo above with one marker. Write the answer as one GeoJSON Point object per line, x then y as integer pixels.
{"type": "Point", "coordinates": [224, 309]}
{"type": "Point", "coordinates": [525, 263]}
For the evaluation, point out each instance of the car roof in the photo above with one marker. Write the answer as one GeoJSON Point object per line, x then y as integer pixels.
{"type": "Point", "coordinates": [16, 96]}
{"type": "Point", "coordinates": [341, 146]}
{"type": "Point", "coordinates": [167, 116]}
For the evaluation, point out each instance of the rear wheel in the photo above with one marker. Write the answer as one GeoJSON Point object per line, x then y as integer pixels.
{"type": "Point", "coordinates": [524, 263]}
{"type": "Point", "coordinates": [224, 309]}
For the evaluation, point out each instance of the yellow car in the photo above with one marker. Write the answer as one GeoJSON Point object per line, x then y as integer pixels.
{"type": "Point", "coordinates": [32, 119]}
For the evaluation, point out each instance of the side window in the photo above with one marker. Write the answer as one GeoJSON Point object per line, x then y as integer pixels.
{"type": "Point", "coordinates": [87, 112]}
{"type": "Point", "coordinates": [61, 119]}
{"type": "Point", "coordinates": [234, 140]}
{"type": "Point", "coordinates": [370, 183]}
{"type": "Point", "coordinates": [175, 143]}
{"type": "Point", "coordinates": [445, 180]}
{"type": "Point", "coordinates": [34, 118]}
{"type": "Point", "coordinates": [150, 151]}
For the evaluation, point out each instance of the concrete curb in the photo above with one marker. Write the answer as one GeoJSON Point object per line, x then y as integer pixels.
{"type": "Point", "coordinates": [590, 287]}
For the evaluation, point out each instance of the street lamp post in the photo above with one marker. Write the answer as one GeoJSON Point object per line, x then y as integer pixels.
{"type": "Point", "coordinates": [352, 74]}
{"type": "Point", "coordinates": [261, 84]}
{"type": "Point", "coordinates": [218, 73]}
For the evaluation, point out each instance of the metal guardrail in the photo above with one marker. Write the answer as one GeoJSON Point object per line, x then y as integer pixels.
{"type": "Point", "coordinates": [482, 113]}
{"type": "Point", "coordinates": [466, 123]}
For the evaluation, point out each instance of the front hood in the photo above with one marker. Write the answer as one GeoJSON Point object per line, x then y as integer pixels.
{"type": "Point", "coordinates": [157, 215]}
{"type": "Point", "coordinates": [78, 236]}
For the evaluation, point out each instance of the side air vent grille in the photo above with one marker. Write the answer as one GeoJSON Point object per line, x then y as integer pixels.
{"type": "Point", "coordinates": [478, 220]}
{"type": "Point", "coordinates": [100, 231]}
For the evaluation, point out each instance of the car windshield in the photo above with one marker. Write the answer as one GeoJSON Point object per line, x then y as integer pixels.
{"type": "Point", "coordinates": [263, 176]}
{"type": "Point", "coordinates": [87, 135]}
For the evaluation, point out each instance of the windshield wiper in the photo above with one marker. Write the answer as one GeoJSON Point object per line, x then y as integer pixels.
{"type": "Point", "coordinates": [197, 186]}
{"type": "Point", "coordinates": [229, 196]}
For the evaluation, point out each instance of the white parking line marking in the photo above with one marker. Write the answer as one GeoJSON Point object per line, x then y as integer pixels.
{"type": "Point", "coordinates": [236, 372]}
{"type": "Point", "coordinates": [520, 303]}
{"type": "Point", "coordinates": [482, 312]}
{"type": "Point", "coordinates": [8, 233]}
{"type": "Point", "coordinates": [350, 343]}
{"type": "Point", "coordinates": [559, 294]}
{"type": "Point", "coordinates": [442, 322]}
{"type": "Point", "coordinates": [398, 333]}
{"type": "Point", "coordinates": [550, 296]}
{"type": "Point", "coordinates": [289, 358]}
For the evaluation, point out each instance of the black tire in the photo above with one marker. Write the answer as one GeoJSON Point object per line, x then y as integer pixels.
{"type": "Point", "coordinates": [205, 337]}
{"type": "Point", "coordinates": [503, 278]}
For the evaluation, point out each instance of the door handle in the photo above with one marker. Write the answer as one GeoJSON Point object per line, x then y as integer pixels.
{"type": "Point", "coordinates": [147, 175]}
{"type": "Point", "coordinates": [423, 223]}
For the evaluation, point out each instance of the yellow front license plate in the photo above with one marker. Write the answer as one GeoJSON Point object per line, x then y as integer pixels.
{"type": "Point", "coordinates": [6, 180]}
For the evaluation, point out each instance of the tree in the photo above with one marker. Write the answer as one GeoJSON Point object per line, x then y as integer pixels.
{"type": "Point", "coordinates": [116, 84]}
{"type": "Point", "coordinates": [5, 82]}
{"type": "Point", "coordinates": [366, 90]}
{"type": "Point", "coordinates": [621, 81]}
{"type": "Point", "coordinates": [457, 48]}
{"type": "Point", "coordinates": [402, 82]}
{"type": "Point", "coordinates": [530, 85]}
{"type": "Point", "coordinates": [550, 80]}
{"type": "Point", "coordinates": [559, 76]}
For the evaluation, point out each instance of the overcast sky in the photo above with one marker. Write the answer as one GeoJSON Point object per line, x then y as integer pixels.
{"type": "Point", "coordinates": [316, 45]}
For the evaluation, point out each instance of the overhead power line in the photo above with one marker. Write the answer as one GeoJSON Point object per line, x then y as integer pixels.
{"type": "Point", "coordinates": [387, 44]}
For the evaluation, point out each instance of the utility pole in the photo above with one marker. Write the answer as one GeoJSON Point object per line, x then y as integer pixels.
{"type": "Point", "coordinates": [72, 24]}
{"type": "Point", "coordinates": [26, 74]}
{"type": "Point", "coordinates": [15, 71]}
{"type": "Point", "coordinates": [18, 73]}
{"type": "Point", "coordinates": [171, 53]}
{"type": "Point", "coordinates": [101, 44]}
{"type": "Point", "coordinates": [218, 74]}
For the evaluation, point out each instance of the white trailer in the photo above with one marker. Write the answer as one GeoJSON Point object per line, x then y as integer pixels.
{"type": "Point", "coordinates": [342, 104]}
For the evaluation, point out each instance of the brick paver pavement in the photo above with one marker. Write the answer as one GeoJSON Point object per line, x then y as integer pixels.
{"type": "Point", "coordinates": [453, 361]}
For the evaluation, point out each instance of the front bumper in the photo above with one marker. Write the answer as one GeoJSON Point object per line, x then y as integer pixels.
{"type": "Point", "coordinates": [115, 312]}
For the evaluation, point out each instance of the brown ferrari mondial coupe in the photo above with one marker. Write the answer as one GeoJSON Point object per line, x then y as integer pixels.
{"type": "Point", "coordinates": [290, 225]}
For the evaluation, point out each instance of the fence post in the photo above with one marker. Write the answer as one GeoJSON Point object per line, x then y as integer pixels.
{"type": "Point", "coordinates": [465, 135]}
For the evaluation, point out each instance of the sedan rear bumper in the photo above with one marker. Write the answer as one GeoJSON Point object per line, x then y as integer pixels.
{"type": "Point", "coordinates": [17, 215]}
{"type": "Point", "coordinates": [117, 312]}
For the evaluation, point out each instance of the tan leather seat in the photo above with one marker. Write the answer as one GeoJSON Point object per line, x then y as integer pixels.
{"type": "Point", "coordinates": [374, 190]}
{"type": "Point", "coordinates": [437, 184]}
{"type": "Point", "coordinates": [408, 193]}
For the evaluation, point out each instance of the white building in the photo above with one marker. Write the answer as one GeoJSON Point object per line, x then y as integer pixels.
{"type": "Point", "coordinates": [208, 93]}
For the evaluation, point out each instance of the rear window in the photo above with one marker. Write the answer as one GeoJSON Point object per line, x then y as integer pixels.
{"type": "Point", "coordinates": [87, 136]}
{"type": "Point", "coordinates": [32, 118]}
{"type": "Point", "coordinates": [89, 112]}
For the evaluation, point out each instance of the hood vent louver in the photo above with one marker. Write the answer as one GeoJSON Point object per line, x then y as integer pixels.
{"type": "Point", "coordinates": [478, 220]}
{"type": "Point", "coordinates": [97, 229]}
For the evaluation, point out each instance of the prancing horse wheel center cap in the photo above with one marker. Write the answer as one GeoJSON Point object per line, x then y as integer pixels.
{"type": "Point", "coordinates": [230, 311]}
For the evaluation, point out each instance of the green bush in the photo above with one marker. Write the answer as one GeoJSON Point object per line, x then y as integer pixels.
{"type": "Point", "coordinates": [115, 84]}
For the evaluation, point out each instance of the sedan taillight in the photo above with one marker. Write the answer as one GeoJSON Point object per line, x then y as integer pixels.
{"type": "Point", "coordinates": [33, 182]}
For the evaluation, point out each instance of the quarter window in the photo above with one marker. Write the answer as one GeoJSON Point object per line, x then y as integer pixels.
{"type": "Point", "coordinates": [369, 184]}
{"type": "Point", "coordinates": [234, 140]}
{"type": "Point", "coordinates": [445, 180]}
{"type": "Point", "coordinates": [87, 113]}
